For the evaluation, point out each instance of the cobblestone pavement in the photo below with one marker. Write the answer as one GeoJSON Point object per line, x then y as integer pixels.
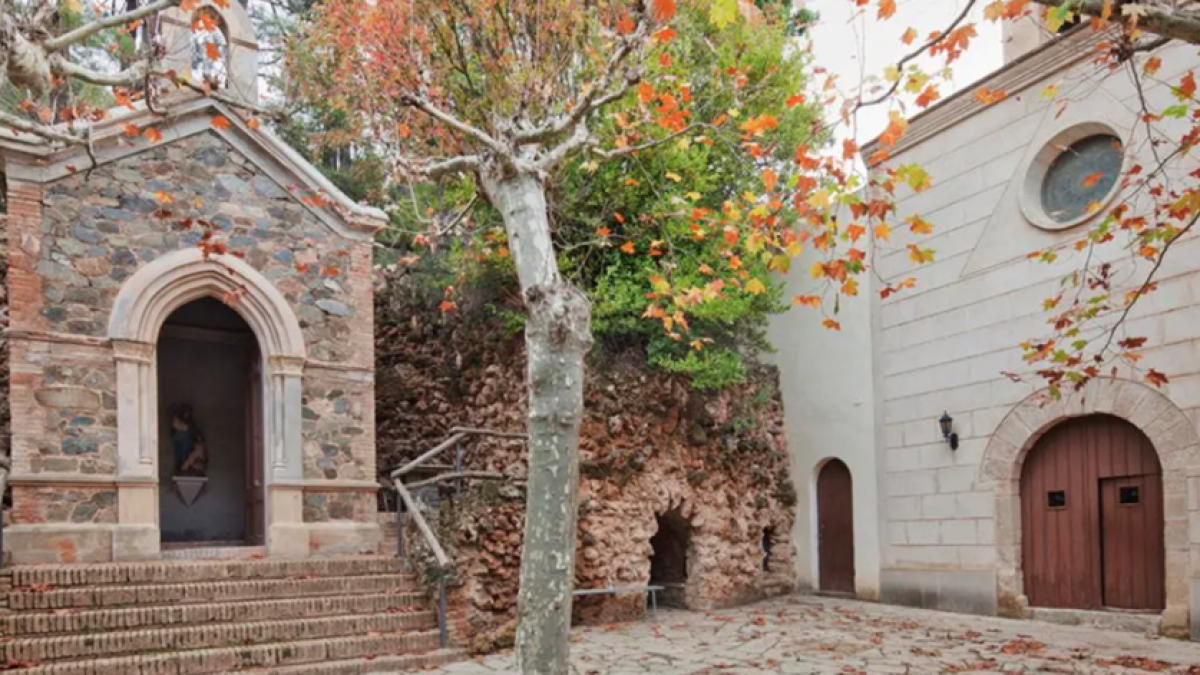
{"type": "Point", "coordinates": [806, 635]}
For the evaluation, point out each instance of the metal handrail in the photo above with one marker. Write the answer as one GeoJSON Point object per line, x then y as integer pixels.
{"type": "Point", "coordinates": [444, 564]}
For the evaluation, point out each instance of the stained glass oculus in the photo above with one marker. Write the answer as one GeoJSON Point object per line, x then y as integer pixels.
{"type": "Point", "coordinates": [1081, 175]}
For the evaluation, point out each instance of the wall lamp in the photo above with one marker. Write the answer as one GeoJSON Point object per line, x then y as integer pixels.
{"type": "Point", "coordinates": [947, 425]}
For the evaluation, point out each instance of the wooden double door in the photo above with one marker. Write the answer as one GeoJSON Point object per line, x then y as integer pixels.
{"type": "Point", "coordinates": [1092, 518]}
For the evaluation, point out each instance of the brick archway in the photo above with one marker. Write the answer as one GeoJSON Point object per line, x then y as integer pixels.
{"type": "Point", "coordinates": [1175, 441]}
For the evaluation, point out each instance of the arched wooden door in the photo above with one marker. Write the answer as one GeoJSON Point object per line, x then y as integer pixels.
{"type": "Point", "coordinates": [835, 528]}
{"type": "Point", "coordinates": [1092, 518]}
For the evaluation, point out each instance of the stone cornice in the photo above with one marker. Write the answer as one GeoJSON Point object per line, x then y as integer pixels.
{"type": "Point", "coordinates": [30, 159]}
{"type": "Point", "coordinates": [1012, 79]}
{"type": "Point", "coordinates": [77, 480]}
{"type": "Point", "coordinates": [321, 485]}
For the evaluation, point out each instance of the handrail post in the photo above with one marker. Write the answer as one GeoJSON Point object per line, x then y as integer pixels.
{"type": "Point", "coordinates": [443, 639]}
{"type": "Point", "coordinates": [400, 552]}
{"type": "Point", "coordinates": [458, 458]}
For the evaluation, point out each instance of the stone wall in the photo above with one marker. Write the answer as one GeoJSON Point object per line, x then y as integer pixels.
{"type": "Point", "coordinates": [76, 240]}
{"type": "Point", "coordinates": [649, 444]}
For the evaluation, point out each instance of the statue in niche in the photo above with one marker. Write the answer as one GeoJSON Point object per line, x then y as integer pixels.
{"type": "Point", "coordinates": [191, 455]}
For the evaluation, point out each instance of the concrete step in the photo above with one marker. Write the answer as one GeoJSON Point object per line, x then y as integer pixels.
{"type": "Point", "coordinates": [195, 571]}
{"type": "Point", "coordinates": [84, 597]}
{"type": "Point", "coordinates": [379, 665]}
{"type": "Point", "coordinates": [276, 655]}
{"type": "Point", "coordinates": [117, 643]}
{"type": "Point", "coordinates": [33, 623]}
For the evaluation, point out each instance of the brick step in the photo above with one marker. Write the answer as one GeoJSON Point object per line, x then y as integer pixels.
{"type": "Point", "coordinates": [161, 616]}
{"type": "Point", "coordinates": [195, 571]}
{"type": "Point", "coordinates": [379, 665]}
{"type": "Point", "coordinates": [116, 643]}
{"type": "Point", "coordinates": [208, 592]}
{"type": "Point", "coordinates": [249, 657]}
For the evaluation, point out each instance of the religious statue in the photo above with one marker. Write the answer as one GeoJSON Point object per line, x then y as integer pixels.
{"type": "Point", "coordinates": [191, 455]}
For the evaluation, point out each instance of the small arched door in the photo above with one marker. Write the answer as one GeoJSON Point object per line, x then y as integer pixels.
{"type": "Point", "coordinates": [1092, 518]}
{"type": "Point", "coordinates": [835, 528]}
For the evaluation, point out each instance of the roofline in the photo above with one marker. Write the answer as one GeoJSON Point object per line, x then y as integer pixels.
{"type": "Point", "coordinates": [33, 159]}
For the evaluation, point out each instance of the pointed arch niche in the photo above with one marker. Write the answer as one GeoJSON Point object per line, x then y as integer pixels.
{"type": "Point", "coordinates": [142, 306]}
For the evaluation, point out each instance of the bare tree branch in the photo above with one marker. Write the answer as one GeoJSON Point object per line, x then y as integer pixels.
{"type": "Point", "coordinates": [427, 107]}
{"type": "Point", "coordinates": [40, 130]}
{"type": "Point", "coordinates": [129, 77]}
{"type": "Point", "coordinates": [597, 96]}
{"type": "Point", "coordinates": [1165, 21]}
{"type": "Point", "coordinates": [114, 21]}
{"type": "Point", "coordinates": [887, 95]}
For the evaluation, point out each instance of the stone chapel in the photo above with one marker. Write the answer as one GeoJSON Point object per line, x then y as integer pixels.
{"type": "Point", "coordinates": [191, 334]}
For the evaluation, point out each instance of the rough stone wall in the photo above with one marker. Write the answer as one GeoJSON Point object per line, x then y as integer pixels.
{"type": "Point", "coordinates": [649, 444]}
{"type": "Point", "coordinates": [82, 237]}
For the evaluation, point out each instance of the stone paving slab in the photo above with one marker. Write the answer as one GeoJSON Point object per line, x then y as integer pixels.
{"type": "Point", "coordinates": [807, 635]}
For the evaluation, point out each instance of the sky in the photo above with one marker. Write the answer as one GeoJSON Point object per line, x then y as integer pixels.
{"type": "Point", "coordinates": [852, 43]}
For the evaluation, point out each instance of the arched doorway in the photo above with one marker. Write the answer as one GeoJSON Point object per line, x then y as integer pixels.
{"type": "Point", "coordinates": [210, 455]}
{"type": "Point", "coordinates": [835, 528]}
{"type": "Point", "coordinates": [1092, 518]}
{"type": "Point", "coordinates": [669, 557]}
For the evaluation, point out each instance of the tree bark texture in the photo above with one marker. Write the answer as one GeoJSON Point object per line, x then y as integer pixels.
{"type": "Point", "coordinates": [1164, 20]}
{"type": "Point", "coordinates": [557, 338]}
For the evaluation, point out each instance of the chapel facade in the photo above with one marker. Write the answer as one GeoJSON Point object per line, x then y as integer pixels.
{"type": "Point", "coordinates": [931, 479]}
{"type": "Point", "coordinates": [192, 365]}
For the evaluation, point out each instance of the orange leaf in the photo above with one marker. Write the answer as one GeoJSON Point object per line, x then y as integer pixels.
{"type": "Point", "coordinates": [849, 148]}
{"type": "Point", "coordinates": [1152, 66]}
{"type": "Point", "coordinates": [629, 247]}
{"type": "Point", "coordinates": [253, 123]}
{"type": "Point", "coordinates": [603, 231]}
{"type": "Point", "coordinates": [619, 218]}
{"type": "Point", "coordinates": [831, 324]}
{"type": "Point", "coordinates": [664, 10]}
{"type": "Point", "coordinates": [403, 130]}
{"type": "Point", "coordinates": [132, 131]}
{"type": "Point", "coordinates": [153, 135]}
{"type": "Point", "coordinates": [812, 301]}
{"type": "Point", "coordinates": [220, 122]}
{"type": "Point", "coordinates": [887, 9]}
{"type": "Point", "coordinates": [910, 36]}
{"type": "Point", "coordinates": [1187, 86]}
{"type": "Point", "coordinates": [1091, 180]}
{"type": "Point", "coordinates": [990, 96]}
{"type": "Point", "coordinates": [645, 92]}
{"type": "Point", "coordinates": [665, 34]}
{"type": "Point", "coordinates": [625, 25]}
{"type": "Point", "coordinates": [795, 100]}
{"type": "Point", "coordinates": [770, 180]}
{"type": "Point", "coordinates": [929, 96]}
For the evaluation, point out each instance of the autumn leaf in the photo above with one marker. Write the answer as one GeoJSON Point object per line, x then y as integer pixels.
{"type": "Point", "coordinates": [1187, 86]}
{"type": "Point", "coordinates": [812, 301]}
{"type": "Point", "coordinates": [755, 287]}
{"type": "Point", "coordinates": [795, 100]}
{"type": "Point", "coordinates": [220, 122]}
{"type": "Point", "coordinates": [1152, 66]}
{"type": "Point", "coordinates": [1091, 180]}
{"type": "Point", "coordinates": [253, 123]}
{"type": "Point", "coordinates": [664, 10]}
{"type": "Point", "coordinates": [928, 96]}
{"type": "Point", "coordinates": [887, 9]}
{"type": "Point", "coordinates": [603, 232]}
{"type": "Point", "coordinates": [163, 198]}
{"type": "Point", "coordinates": [910, 36]}
{"type": "Point", "coordinates": [625, 25]}
{"type": "Point", "coordinates": [990, 96]}
{"type": "Point", "coordinates": [629, 247]}
{"type": "Point", "coordinates": [849, 149]}
{"type": "Point", "coordinates": [152, 134]}
{"type": "Point", "coordinates": [723, 12]}
{"type": "Point", "coordinates": [831, 324]}
{"type": "Point", "coordinates": [1156, 378]}
{"type": "Point", "coordinates": [770, 180]}
{"type": "Point", "coordinates": [919, 225]}
{"type": "Point", "coordinates": [883, 231]}
{"type": "Point", "coordinates": [447, 306]}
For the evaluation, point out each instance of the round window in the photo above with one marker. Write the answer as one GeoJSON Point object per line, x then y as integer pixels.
{"type": "Point", "coordinates": [1081, 177]}
{"type": "Point", "coordinates": [1072, 177]}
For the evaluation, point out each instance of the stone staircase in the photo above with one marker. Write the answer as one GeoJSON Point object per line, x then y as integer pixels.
{"type": "Point", "coordinates": [323, 616]}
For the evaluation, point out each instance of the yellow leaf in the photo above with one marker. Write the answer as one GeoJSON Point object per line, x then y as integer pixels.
{"type": "Point", "coordinates": [693, 196]}
{"type": "Point", "coordinates": [818, 270]}
{"type": "Point", "coordinates": [883, 231]}
{"type": "Point", "coordinates": [674, 176]}
{"type": "Point", "coordinates": [891, 73]}
{"type": "Point", "coordinates": [755, 287]}
{"type": "Point", "coordinates": [819, 199]}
